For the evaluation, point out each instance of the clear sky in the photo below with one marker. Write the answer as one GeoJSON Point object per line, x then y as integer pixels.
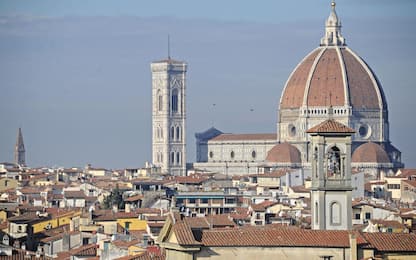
{"type": "Point", "coordinates": [75, 75]}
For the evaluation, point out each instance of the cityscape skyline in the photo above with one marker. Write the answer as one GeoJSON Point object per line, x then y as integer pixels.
{"type": "Point", "coordinates": [80, 86]}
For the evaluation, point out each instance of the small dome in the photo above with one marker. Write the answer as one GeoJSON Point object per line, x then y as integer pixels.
{"type": "Point", "coordinates": [370, 153]}
{"type": "Point", "coordinates": [283, 153]}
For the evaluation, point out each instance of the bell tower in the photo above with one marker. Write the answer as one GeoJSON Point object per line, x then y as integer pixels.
{"type": "Point", "coordinates": [331, 176]}
{"type": "Point", "coordinates": [169, 116]}
{"type": "Point", "coordinates": [19, 150]}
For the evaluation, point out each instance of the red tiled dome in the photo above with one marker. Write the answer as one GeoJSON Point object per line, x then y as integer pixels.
{"type": "Point", "coordinates": [370, 153]}
{"type": "Point", "coordinates": [333, 75]}
{"type": "Point", "coordinates": [283, 153]}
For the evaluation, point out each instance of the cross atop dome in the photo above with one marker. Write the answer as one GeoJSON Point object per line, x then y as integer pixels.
{"type": "Point", "coordinates": [333, 35]}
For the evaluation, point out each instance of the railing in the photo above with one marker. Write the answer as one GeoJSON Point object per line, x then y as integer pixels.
{"type": "Point", "coordinates": [332, 183]}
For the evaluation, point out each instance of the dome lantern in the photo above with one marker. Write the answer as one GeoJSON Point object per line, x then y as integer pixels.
{"type": "Point", "coordinates": [333, 35]}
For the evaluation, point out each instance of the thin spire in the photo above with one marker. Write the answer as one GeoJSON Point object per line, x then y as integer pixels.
{"type": "Point", "coordinates": [168, 47]}
{"type": "Point", "coordinates": [19, 152]}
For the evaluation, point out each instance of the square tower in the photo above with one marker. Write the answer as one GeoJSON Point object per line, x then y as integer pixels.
{"type": "Point", "coordinates": [331, 176]}
{"type": "Point", "coordinates": [169, 116]}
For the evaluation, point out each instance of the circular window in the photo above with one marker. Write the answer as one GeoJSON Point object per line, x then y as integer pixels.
{"type": "Point", "coordinates": [292, 130]}
{"type": "Point", "coordinates": [364, 131]}
{"type": "Point", "coordinates": [232, 154]}
{"type": "Point", "coordinates": [211, 154]}
{"type": "Point", "coordinates": [253, 154]}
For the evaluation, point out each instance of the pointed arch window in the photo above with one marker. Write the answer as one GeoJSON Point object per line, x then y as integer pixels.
{"type": "Point", "coordinates": [160, 102]}
{"type": "Point", "coordinates": [175, 100]}
{"type": "Point", "coordinates": [178, 157]}
{"type": "Point", "coordinates": [172, 132]}
{"type": "Point", "coordinates": [178, 133]}
{"type": "Point", "coordinates": [316, 213]}
{"type": "Point", "coordinates": [172, 157]}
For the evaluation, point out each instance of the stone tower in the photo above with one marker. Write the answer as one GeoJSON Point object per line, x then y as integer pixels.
{"type": "Point", "coordinates": [169, 116]}
{"type": "Point", "coordinates": [19, 150]}
{"type": "Point", "coordinates": [331, 176]}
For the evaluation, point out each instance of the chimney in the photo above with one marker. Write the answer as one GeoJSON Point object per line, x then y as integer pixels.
{"type": "Point", "coordinates": [127, 208]}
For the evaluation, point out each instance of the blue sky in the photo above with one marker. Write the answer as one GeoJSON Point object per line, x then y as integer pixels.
{"type": "Point", "coordinates": [75, 75]}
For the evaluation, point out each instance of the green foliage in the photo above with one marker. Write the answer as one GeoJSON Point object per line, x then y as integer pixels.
{"type": "Point", "coordinates": [115, 198]}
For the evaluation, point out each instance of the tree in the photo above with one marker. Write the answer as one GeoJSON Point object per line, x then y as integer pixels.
{"type": "Point", "coordinates": [114, 199]}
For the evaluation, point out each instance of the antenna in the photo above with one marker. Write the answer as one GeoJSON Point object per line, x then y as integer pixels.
{"type": "Point", "coordinates": [168, 47]}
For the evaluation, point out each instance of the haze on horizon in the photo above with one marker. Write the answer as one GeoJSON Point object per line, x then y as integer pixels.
{"type": "Point", "coordinates": [75, 75]}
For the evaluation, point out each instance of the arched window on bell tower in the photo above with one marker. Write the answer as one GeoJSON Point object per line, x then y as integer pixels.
{"type": "Point", "coordinates": [174, 100]}
{"type": "Point", "coordinates": [334, 163]}
{"type": "Point", "coordinates": [159, 101]}
{"type": "Point", "coordinates": [178, 133]}
{"type": "Point", "coordinates": [335, 213]}
{"type": "Point", "coordinates": [172, 133]}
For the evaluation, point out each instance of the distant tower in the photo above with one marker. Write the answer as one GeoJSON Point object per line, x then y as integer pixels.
{"type": "Point", "coordinates": [169, 116]}
{"type": "Point", "coordinates": [331, 176]}
{"type": "Point", "coordinates": [19, 150]}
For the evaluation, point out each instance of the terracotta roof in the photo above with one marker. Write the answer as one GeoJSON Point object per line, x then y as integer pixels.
{"type": "Point", "coordinates": [284, 153]}
{"type": "Point", "coordinates": [410, 182]}
{"type": "Point", "coordinates": [295, 87]}
{"type": "Point", "coordinates": [331, 126]}
{"type": "Point", "coordinates": [300, 189]}
{"type": "Point", "coordinates": [192, 179]}
{"type": "Point", "coordinates": [263, 205]}
{"type": "Point", "coordinates": [74, 194]}
{"type": "Point", "coordinates": [197, 222]}
{"type": "Point", "coordinates": [156, 218]}
{"type": "Point", "coordinates": [392, 242]}
{"type": "Point", "coordinates": [125, 244]}
{"type": "Point", "coordinates": [387, 223]}
{"type": "Point", "coordinates": [58, 236]}
{"type": "Point", "coordinates": [290, 237]}
{"type": "Point", "coordinates": [327, 86]}
{"type": "Point", "coordinates": [150, 254]}
{"type": "Point", "coordinates": [134, 198]}
{"type": "Point", "coordinates": [220, 220]}
{"type": "Point", "coordinates": [363, 93]}
{"type": "Point", "coordinates": [370, 153]}
{"type": "Point", "coordinates": [407, 173]}
{"type": "Point", "coordinates": [155, 224]}
{"type": "Point", "coordinates": [86, 250]}
{"type": "Point", "coordinates": [184, 234]}
{"type": "Point", "coordinates": [244, 137]}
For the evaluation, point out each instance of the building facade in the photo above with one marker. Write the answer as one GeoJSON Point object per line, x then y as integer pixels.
{"type": "Point", "coordinates": [169, 116]}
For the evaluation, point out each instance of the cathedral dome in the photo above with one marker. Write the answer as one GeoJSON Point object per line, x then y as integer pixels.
{"type": "Point", "coordinates": [284, 153]}
{"type": "Point", "coordinates": [333, 74]}
{"type": "Point", "coordinates": [370, 153]}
